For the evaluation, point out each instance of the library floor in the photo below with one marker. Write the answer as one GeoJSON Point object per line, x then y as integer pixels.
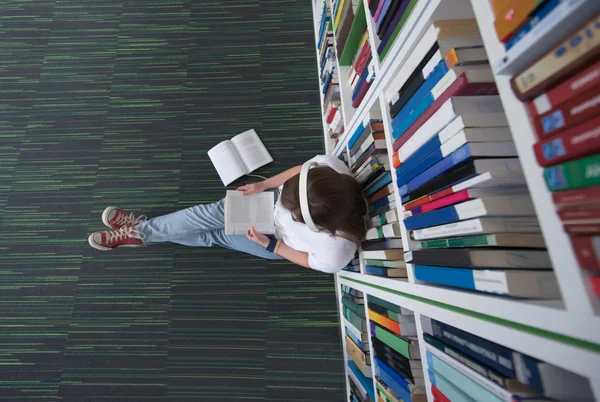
{"type": "Point", "coordinates": [115, 102]}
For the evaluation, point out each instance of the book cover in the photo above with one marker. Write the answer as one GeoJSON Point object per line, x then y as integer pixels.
{"type": "Point", "coordinates": [583, 172]}
{"type": "Point", "coordinates": [536, 18]}
{"type": "Point", "coordinates": [587, 251]}
{"type": "Point", "coordinates": [512, 16]}
{"type": "Point", "coordinates": [580, 215]}
{"type": "Point", "coordinates": [407, 347]}
{"type": "Point", "coordinates": [476, 226]}
{"type": "Point", "coordinates": [357, 309]}
{"type": "Point", "coordinates": [580, 197]}
{"type": "Point", "coordinates": [574, 111]}
{"type": "Point", "coordinates": [385, 263]}
{"type": "Point", "coordinates": [404, 329]}
{"type": "Point", "coordinates": [386, 272]}
{"type": "Point", "coordinates": [383, 255]}
{"type": "Point", "coordinates": [396, 383]}
{"type": "Point", "coordinates": [382, 193]}
{"type": "Point", "coordinates": [385, 180]}
{"type": "Point", "coordinates": [515, 240]}
{"type": "Point", "coordinates": [480, 258]}
{"type": "Point", "coordinates": [447, 388]}
{"type": "Point", "coordinates": [578, 83]}
{"type": "Point", "coordinates": [381, 244]}
{"type": "Point", "coordinates": [568, 56]}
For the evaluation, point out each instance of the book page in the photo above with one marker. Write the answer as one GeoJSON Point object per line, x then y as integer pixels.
{"type": "Point", "coordinates": [227, 162]}
{"type": "Point", "coordinates": [242, 212]}
{"type": "Point", "coordinates": [251, 150]}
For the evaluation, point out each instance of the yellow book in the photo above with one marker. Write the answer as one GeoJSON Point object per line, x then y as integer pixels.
{"type": "Point", "coordinates": [339, 14]}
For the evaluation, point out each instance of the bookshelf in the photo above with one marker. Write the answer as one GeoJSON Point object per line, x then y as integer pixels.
{"type": "Point", "coordinates": [563, 332]}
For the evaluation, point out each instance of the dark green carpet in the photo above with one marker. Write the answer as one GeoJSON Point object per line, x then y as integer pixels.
{"type": "Point", "coordinates": [115, 102]}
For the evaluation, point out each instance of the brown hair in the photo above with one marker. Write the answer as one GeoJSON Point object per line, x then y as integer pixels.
{"type": "Point", "coordinates": [335, 200]}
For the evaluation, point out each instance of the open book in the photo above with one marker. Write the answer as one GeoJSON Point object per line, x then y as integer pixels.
{"type": "Point", "coordinates": [239, 156]}
{"type": "Point", "coordinates": [242, 212]}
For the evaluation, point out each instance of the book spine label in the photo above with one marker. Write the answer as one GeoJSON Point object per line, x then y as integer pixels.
{"type": "Point", "coordinates": [580, 141]}
{"type": "Point", "coordinates": [584, 196]}
{"type": "Point", "coordinates": [579, 83]}
{"type": "Point", "coordinates": [587, 250]}
{"type": "Point", "coordinates": [569, 114]}
{"type": "Point", "coordinates": [579, 173]}
{"type": "Point", "coordinates": [570, 54]}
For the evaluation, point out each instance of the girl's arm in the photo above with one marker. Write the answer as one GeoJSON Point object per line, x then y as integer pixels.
{"type": "Point", "coordinates": [273, 182]}
{"type": "Point", "coordinates": [295, 256]}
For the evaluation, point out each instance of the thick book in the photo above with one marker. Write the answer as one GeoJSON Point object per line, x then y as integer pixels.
{"type": "Point", "coordinates": [381, 244]}
{"type": "Point", "coordinates": [392, 264]}
{"type": "Point", "coordinates": [362, 345]}
{"type": "Point", "coordinates": [381, 193]}
{"type": "Point", "coordinates": [407, 329]}
{"type": "Point", "coordinates": [580, 215]}
{"type": "Point", "coordinates": [513, 240]}
{"type": "Point", "coordinates": [357, 309]}
{"type": "Point", "coordinates": [399, 318]}
{"type": "Point", "coordinates": [587, 251]}
{"type": "Point", "coordinates": [377, 138]}
{"type": "Point", "coordinates": [398, 385]}
{"type": "Point", "coordinates": [245, 211]}
{"type": "Point", "coordinates": [480, 258]}
{"type": "Point", "coordinates": [512, 205]}
{"type": "Point", "coordinates": [498, 380]}
{"type": "Point", "coordinates": [383, 200]}
{"type": "Point", "coordinates": [389, 17]}
{"type": "Point", "coordinates": [373, 120]}
{"type": "Point", "coordinates": [386, 272]}
{"type": "Point", "coordinates": [465, 195]}
{"type": "Point", "coordinates": [485, 116]}
{"type": "Point", "coordinates": [449, 390]}
{"type": "Point", "coordinates": [452, 154]}
{"type": "Point", "coordinates": [583, 172]}
{"type": "Point", "coordinates": [539, 16]}
{"type": "Point", "coordinates": [395, 27]}
{"type": "Point", "coordinates": [360, 359]}
{"type": "Point", "coordinates": [580, 82]}
{"type": "Point", "coordinates": [582, 230]}
{"type": "Point", "coordinates": [387, 305]}
{"type": "Point", "coordinates": [384, 219]}
{"type": "Point", "coordinates": [406, 346]}
{"type": "Point", "coordinates": [479, 226]}
{"type": "Point", "coordinates": [580, 197]}
{"type": "Point", "coordinates": [459, 88]}
{"type": "Point", "coordinates": [569, 114]}
{"type": "Point", "coordinates": [514, 283]}
{"type": "Point", "coordinates": [513, 15]}
{"type": "Point", "coordinates": [380, 232]}
{"type": "Point", "coordinates": [383, 210]}
{"type": "Point", "coordinates": [365, 382]}
{"type": "Point", "coordinates": [506, 168]}
{"type": "Point", "coordinates": [570, 55]}
{"type": "Point", "coordinates": [579, 141]}
{"type": "Point", "coordinates": [383, 255]}
{"type": "Point", "coordinates": [385, 180]}
{"type": "Point", "coordinates": [239, 156]}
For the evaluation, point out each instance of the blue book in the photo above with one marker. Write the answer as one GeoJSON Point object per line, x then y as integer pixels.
{"type": "Point", "coordinates": [457, 157]}
{"type": "Point", "coordinates": [433, 218]}
{"type": "Point", "coordinates": [380, 203]}
{"type": "Point", "coordinates": [367, 383]}
{"type": "Point", "coordinates": [447, 388]}
{"type": "Point", "coordinates": [416, 113]}
{"type": "Point", "coordinates": [489, 353]}
{"type": "Point", "coordinates": [533, 22]}
{"type": "Point", "coordinates": [358, 342]}
{"type": "Point", "coordinates": [406, 174]}
{"type": "Point", "coordinates": [362, 81]}
{"type": "Point", "coordinates": [384, 181]}
{"type": "Point", "coordinates": [392, 375]}
{"type": "Point", "coordinates": [408, 111]}
{"type": "Point", "coordinates": [421, 153]}
{"type": "Point", "coordinates": [384, 10]}
{"type": "Point", "coordinates": [327, 82]}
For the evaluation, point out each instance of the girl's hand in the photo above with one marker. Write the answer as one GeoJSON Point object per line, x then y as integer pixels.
{"type": "Point", "coordinates": [255, 188]}
{"type": "Point", "coordinates": [257, 237]}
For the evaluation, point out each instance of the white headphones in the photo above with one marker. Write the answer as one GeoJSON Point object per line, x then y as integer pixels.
{"type": "Point", "coordinates": [304, 195]}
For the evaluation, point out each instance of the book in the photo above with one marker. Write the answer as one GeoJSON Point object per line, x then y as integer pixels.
{"type": "Point", "coordinates": [365, 382]}
{"type": "Point", "coordinates": [514, 283]}
{"type": "Point", "coordinates": [381, 244]}
{"type": "Point", "coordinates": [245, 211]}
{"type": "Point", "coordinates": [383, 210]}
{"type": "Point", "coordinates": [469, 56]}
{"type": "Point", "coordinates": [515, 240]}
{"type": "Point", "coordinates": [382, 192]}
{"type": "Point", "coordinates": [386, 272]}
{"type": "Point", "coordinates": [393, 264]}
{"type": "Point", "coordinates": [360, 359]}
{"type": "Point", "coordinates": [362, 345]}
{"type": "Point", "coordinates": [480, 258]}
{"type": "Point", "coordinates": [453, 153]}
{"type": "Point", "coordinates": [583, 172]}
{"type": "Point", "coordinates": [371, 123]}
{"type": "Point", "coordinates": [383, 255]}
{"type": "Point", "coordinates": [372, 150]}
{"type": "Point", "coordinates": [355, 320]}
{"type": "Point", "coordinates": [380, 220]}
{"type": "Point", "coordinates": [506, 168]}
{"type": "Point", "coordinates": [582, 230]}
{"type": "Point", "coordinates": [412, 370]}
{"type": "Point", "coordinates": [579, 141]}
{"type": "Point", "coordinates": [587, 251]}
{"type": "Point", "coordinates": [568, 114]}
{"type": "Point", "coordinates": [447, 388]}
{"type": "Point", "coordinates": [407, 347]}
{"type": "Point", "coordinates": [366, 131]}
{"type": "Point", "coordinates": [580, 196]}
{"type": "Point", "coordinates": [387, 305]}
{"type": "Point", "coordinates": [478, 207]}
{"type": "Point", "coordinates": [595, 284]}
{"type": "Point", "coordinates": [512, 16]}
{"type": "Point", "coordinates": [465, 195]}
{"type": "Point", "coordinates": [398, 385]}
{"type": "Point", "coordinates": [438, 395]}
{"type": "Point", "coordinates": [580, 215]}
{"type": "Point", "coordinates": [578, 83]}
{"type": "Point", "coordinates": [459, 88]}
{"type": "Point", "coordinates": [377, 175]}
{"type": "Point", "coordinates": [357, 309]}
{"type": "Point", "coordinates": [380, 232]}
{"type": "Point", "coordinates": [479, 226]}
{"type": "Point", "coordinates": [571, 54]}
{"type": "Point", "coordinates": [385, 180]}
{"type": "Point", "coordinates": [509, 384]}
{"type": "Point", "coordinates": [407, 329]}
{"type": "Point", "coordinates": [375, 138]}
{"type": "Point", "coordinates": [449, 121]}
{"type": "Point", "coordinates": [395, 27]}
{"type": "Point", "coordinates": [239, 156]}
{"type": "Point", "coordinates": [353, 349]}
{"type": "Point", "coordinates": [539, 15]}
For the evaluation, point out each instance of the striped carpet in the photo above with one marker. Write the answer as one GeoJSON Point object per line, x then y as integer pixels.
{"type": "Point", "coordinates": [115, 102]}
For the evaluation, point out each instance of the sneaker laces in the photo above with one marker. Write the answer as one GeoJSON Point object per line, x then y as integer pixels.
{"type": "Point", "coordinates": [124, 233]}
{"type": "Point", "coordinates": [129, 220]}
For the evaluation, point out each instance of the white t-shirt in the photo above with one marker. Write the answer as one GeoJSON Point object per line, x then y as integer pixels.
{"type": "Point", "coordinates": [325, 252]}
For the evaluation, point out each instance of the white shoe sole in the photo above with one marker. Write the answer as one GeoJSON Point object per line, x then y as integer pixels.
{"type": "Point", "coordinates": [105, 214]}
{"type": "Point", "coordinates": [100, 247]}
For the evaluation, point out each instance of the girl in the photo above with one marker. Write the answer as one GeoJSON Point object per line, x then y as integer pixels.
{"type": "Point", "coordinates": [336, 208]}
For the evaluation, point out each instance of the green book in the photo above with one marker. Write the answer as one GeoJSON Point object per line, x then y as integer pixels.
{"type": "Point", "coordinates": [359, 323]}
{"type": "Point", "coordinates": [356, 32]}
{"type": "Point", "coordinates": [358, 309]}
{"type": "Point", "coordinates": [385, 304]}
{"type": "Point", "coordinates": [385, 263]}
{"type": "Point", "coordinates": [406, 347]}
{"type": "Point", "coordinates": [528, 240]}
{"type": "Point", "coordinates": [398, 28]}
{"type": "Point", "coordinates": [582, 172]}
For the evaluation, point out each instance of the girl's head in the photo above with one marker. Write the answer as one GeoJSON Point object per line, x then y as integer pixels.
{"type": "Point", "coordinates": [335, 200]}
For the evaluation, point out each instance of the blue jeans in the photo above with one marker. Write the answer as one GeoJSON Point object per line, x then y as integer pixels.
{"type": "Point", "coordinates": [200, 226]}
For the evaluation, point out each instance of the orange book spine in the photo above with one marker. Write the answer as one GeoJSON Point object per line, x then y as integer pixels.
{"type": "Point", "coordinates": [385, 322]}
{"type": "Point", "coordinates": [512, 16]}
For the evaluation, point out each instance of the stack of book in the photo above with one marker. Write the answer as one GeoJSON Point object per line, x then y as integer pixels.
{"type": "Point", "coordinates": [397, 360]}
{"type": "Point", "coordinates": [353, 266]}
{"type": "Point", "coordinates": [460, 181]}
{"type": "Point", "coordinates": [389, 17]}
{"type": "Point", "coordinates": [357, 345]}
{"type": "Point", "coordinates": [361, 71]}
{"type": "Point", "coordinates": [343, 16]}
{"type": "Point", "coordinates": [562, 90]}
{"type": "Point", "coordinates": [465, 367]}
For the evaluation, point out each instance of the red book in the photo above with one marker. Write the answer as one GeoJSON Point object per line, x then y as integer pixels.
{"type": "Point", "coordinates": [384, 192]}
{"type": "Point", "coordinates": [592, 229]}
{"type": "Point", "coordinates": [361, 62]}
{"type": "Point", "coordinates": [587, 251]}
{"type": "Point", "coordinates": [580, 196]}
{"type": "Point", "coordinates": [451, 199]}
{"type": "Point", "coordinates": [595, 281]}
{"type": "Point", "coordinates": [428, 198]}
{"type": "Point", "coordinates": [437, 394]}
{"type": "Point", "coordinates": [578, 83]}
{"type": "Point", "coordinates": [331, 114]}
{"type": "Point", "coordinates": [579, 141]}
{"type": "Point", "coordinates": [361, 94]}
{"type": "Point", "coordinates": [580, 215]}
{"type": "Point", "coordinates": [460, 87]}
{"type": "Point", "coordinates": [572, 112]}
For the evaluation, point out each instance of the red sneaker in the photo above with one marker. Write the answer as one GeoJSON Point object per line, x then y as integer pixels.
{"type": "Point", "coordinates": [109, 239]}
{"type": "Point", "coordinates": [116, 218]}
